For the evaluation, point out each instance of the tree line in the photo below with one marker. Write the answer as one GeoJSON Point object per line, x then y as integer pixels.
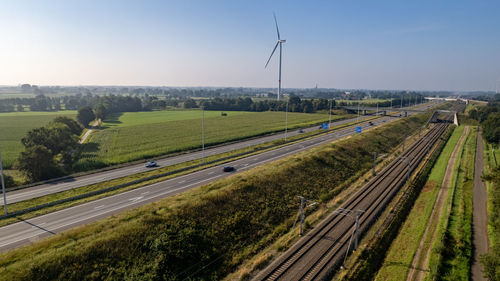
{"type": "Point", "coordinates": [111, 103]}
{"type": "Point", "coordinates": [295, 104]}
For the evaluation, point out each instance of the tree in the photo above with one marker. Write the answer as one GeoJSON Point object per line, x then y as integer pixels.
{"type": "Point", "coordinates": [38, 163]}
{"type": "Point", "coordinates": [73, 125]}
{"type": "Point", "coordinates": [190, 103]}
{"type": "Point", "coordinates": [100, 111]}
{"type": "Point", "coordinates": [85, 116]}
{"type": "Point", "coordinates": [491, 127]}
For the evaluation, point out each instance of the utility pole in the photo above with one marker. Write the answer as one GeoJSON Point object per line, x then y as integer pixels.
{"type": "Point", "coordinates": [408, 158]}
{"type": "Point", "coordinates": [355, 233]}
{"type": "Point", "coordinates": [286, 117]}
{"type": "Point", "coordinates": [203, 134]}
{"type": "Point", "coordinates": [301, 215]}
{"type": "Point", "coordinates": [303, 201]}
{"type": "Point", "coordinates": [374, 162]}
{"type": "Point", "coordinates": [3, 186]}
{"type": "Point", "coordinates": [356, 230]}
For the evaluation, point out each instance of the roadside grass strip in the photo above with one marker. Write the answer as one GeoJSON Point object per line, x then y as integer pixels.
{"type": "Point", "coordinates": [65, 199]}
{"type": "Point", "coordinates": [400, 255]}
{"type": "Point", "coordinates": [455, 252]}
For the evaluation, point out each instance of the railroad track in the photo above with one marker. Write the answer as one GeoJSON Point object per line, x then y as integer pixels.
{"type": "Point", "coordinates": [322, 250]}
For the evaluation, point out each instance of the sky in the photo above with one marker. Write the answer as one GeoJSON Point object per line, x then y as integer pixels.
{"type": "Point", "coordinates": [379, 44]}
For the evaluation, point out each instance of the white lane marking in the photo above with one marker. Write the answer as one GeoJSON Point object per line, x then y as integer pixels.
{"type": "Point", "coordinates": [144, 193]}
{"type": "Point", "coordinates": [182, 182]}
{"type": "Point", "coordinates": [136, 198]}
{"type": "Point", "coordinates": [210, 173]}
{"type": "Point", "coordinates": [99, 207]}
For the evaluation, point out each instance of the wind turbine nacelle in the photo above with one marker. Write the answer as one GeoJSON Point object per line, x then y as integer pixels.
{"type": "Point", "coordinates": [282, 41]}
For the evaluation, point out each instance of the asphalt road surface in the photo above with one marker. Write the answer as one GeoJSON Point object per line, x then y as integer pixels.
{"type": "Point", "coordinates": [25, 232]}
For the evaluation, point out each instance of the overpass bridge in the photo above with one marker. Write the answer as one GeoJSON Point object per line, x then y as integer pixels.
{"type": "Point", "coordinates": [367, 110]}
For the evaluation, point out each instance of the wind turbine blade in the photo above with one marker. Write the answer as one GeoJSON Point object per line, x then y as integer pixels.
{"type": "Point", "coordinates": [277, 30]}
{"type": "Point", "coordinates": [272, 54]}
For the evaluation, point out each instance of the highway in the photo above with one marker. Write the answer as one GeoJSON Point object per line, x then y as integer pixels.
{"type": "Point", "coordinates": [66, 184]}
{"type": "Point", "coordinates": [25, 232]}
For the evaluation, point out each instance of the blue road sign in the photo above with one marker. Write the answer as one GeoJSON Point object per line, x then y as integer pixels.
{"type": "Point", "coordinates": [358, 129]}
{"type": "Point", "coordinates": [325, 126]}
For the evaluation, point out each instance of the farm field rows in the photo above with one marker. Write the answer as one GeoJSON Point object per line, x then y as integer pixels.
{"type": "Point", "coordinates": [15, 125]}
{"type": "Point", "coordinates": [139, 135]}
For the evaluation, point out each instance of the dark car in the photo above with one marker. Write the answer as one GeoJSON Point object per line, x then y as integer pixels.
{"type": "Point", "coordinates": [151, 164]}
{"type": "Point", "coordinates": [228, 169]}
{"type": "Point", "coordinates": [301, 131]}
{"type": "Point", "coordinates": [370, 123]}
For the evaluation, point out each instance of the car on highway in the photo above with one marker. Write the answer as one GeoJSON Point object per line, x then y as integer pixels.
{"type": "Point", "coordinates": [228, 169]}
{"type": "Point", "coordinates": [370, 123]}
{"type": "Point", "coordinates": [151, 164]}
{"type": "Point", "coordinates": [301, 131]}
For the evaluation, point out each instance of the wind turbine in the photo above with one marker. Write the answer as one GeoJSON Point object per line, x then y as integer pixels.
{"type": "Point", "coordinates": [280, 41]}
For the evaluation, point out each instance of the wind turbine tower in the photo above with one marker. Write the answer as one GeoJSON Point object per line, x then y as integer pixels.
{"type": "Point", "coordinates": [280, 42]}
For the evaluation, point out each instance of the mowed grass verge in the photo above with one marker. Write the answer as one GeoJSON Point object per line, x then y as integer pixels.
{"type": "Point", "coordinates": [141, 135]}
{"type": "Point", "coordinates": [15, 125]}
{"type": "Point", "coordinates": [207, 232]}
{"type": "Point", "coordinates": [400, 255]}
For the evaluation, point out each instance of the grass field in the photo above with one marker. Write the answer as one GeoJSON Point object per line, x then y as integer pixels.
{"type": "Point", "coordinates": [400, 255]}
{"type": "Point", "coordinates": [139, 135]}
{"type": "Point", "coordinates": [15, 125]}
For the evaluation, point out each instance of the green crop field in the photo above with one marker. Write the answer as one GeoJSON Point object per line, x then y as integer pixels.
{"type": "Point", "coordinates": [138, 135]}
{"type": "Point", "coordinates": [15, 125]}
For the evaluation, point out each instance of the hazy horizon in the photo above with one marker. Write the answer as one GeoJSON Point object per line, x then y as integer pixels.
{"type": "Point", "coordinates": [386, 45]}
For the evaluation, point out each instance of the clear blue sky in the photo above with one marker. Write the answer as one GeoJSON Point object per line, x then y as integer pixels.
{"type": "Point", "coordinates": [379, 44]}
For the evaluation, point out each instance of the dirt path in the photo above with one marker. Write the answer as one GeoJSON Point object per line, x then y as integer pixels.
{"type": "Point", "coordinates": [418, 269]}
{"type": "Point", "coordinates": [87, 133]}
{"type": "Point", "coordinates": [480, 242]}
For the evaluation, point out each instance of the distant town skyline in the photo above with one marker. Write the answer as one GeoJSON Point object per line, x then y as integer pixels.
{"type": "Point", "coordinates": [425, 45]}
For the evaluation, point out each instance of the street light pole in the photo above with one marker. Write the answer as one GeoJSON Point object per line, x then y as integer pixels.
{"type": "Point", "coordinates": [391, 103]}
{"type": "Point", "coordinates": [330, 118]}
{"type": "Point", "coordinates": [286, 118]}
{"type": "Point", "coordinates": [359, 101]}
{"type": "Point", "coordinates": [203, 134]}
{"type": "Point", "coordinates": [3, 186]}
